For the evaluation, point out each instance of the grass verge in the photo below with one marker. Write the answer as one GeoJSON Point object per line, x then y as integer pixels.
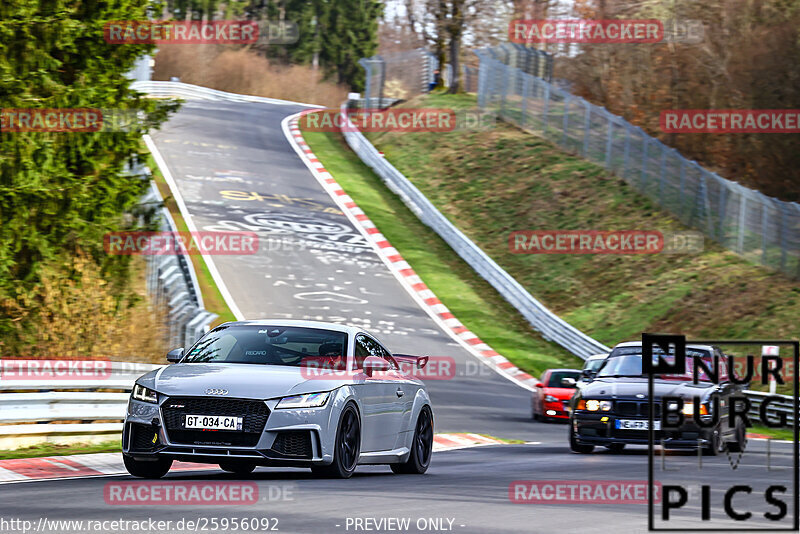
{"type": "Point", "coordinates": [465, 293]}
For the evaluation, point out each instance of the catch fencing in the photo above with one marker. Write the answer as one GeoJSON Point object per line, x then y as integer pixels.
{"type": "Point", "coordinates": [404, 75]}
{"type": "Point", "coordinates": [759, 228]}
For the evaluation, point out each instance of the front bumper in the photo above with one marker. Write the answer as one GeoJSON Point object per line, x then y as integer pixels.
{"type": "Point", "coordinates": [293, 437]}
{"type": "Point", "coordinates": [600, 429]}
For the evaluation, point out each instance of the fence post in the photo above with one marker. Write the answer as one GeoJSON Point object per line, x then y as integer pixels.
{"type": "Point", "coordinates": [682, 184]}
{"type": "Point", "coordinates": [625, 157]}
{"type": "Point", "coordinates": [645, 146]}
{"type": "Point", "coordinates": [763, 231]}
{"type": "Point", "coordinates": [782, 236]}
{"type": "Point", "coordinates": [545, 108]}
{"type": "Point", "coordinates": [382, 81]}
{"type": "Point", "coordinates": [722, 210]}
{"type": "Point", "coordinates": [567, 101]}
{"type": "Point", "coordinates": [609, 140]}
{"type": "Point", "coordinates": [504, 80]}
{"type": "Point", "coordinates": [740, 237]}
{"type": "Point", "coordinates": [587, 121]}
{"type": "Point", "coordinates": [526, 80]}
{"type": "Point", "coordinates": [661, 174]}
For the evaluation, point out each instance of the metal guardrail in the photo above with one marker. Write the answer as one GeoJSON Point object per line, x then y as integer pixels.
{"type": "Point", "coordinates": [196, 92]}
{"type": "Point", "coordinates": [41, 400]}
{"type": "Point", "coordinates": [172, 283]}
{"type": "Point", "coordinates": [54, 407]}
{"type": "Point", "coordinates": [549, 325]}
{"type": "Point", "coordinates": [786, 406]}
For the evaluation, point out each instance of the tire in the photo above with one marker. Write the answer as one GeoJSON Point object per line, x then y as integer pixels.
{"type": "Point", "coordinates": [741, 438]}
{"type": "Point", "coordinates": [346, 448]}
{"type": "Point", "coordinates": [421, 447]}
{"type": "Point", "coordinates": [615, 448]}
{"type": "Point", "coordinates": [716, 446]}
{"type": "Point", "coordinates": [574, 446]}
{"type": "Point", "coordinates": [145, 469]}
{"type": "Point", "coordinates": [238, 468]}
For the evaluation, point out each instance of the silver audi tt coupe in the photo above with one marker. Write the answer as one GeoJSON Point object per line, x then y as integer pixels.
{"type": "Point", "coordinates": [281, 393]}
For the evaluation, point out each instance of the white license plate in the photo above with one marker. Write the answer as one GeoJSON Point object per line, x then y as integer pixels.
{"type": "Point", "coordinates": [636, 424]}
{"type": "Point", "coordinates": [213, 422]}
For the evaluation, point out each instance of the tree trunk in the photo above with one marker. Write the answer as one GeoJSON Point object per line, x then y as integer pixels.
{"type": "Point", "coordinates": [455, 66]}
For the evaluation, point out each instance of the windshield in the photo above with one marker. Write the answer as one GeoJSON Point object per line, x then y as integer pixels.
{"type": "Point", "coordinates": [557, 376]}
{"type": "Point", "coordinates": [594, 365]}
{"type": "Point", "coordinates": [627, 361]}
{"type": "Point", "coordinates": [270, 345]}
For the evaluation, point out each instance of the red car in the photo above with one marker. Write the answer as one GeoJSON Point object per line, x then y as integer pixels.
{"type": "Point", "coordinates": [552, 394]}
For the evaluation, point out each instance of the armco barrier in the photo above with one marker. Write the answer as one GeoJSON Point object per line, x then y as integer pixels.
{"type": "Point", "coordinates": [38, 401]}
{"type": "Point", "coordinates": [60, 409]}
{"type": "Point", "coordinates": [172, 285]}
{"type": "Point", "coordinates": [549, 325]}
{"type": "Point", "coordinates": [195, 92]}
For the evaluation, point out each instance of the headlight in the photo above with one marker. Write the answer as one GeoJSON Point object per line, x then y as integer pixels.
{"type": "Point", "coordinates": [688, 408]}
{"type": "Point", "coordinates": [594, 405]}
{"type": "Point", "coordinates": [309, 400]}
{"type": "Point", "coordinates": [143, 394]}
{"type": "Point", "coordinates": [550, 398]}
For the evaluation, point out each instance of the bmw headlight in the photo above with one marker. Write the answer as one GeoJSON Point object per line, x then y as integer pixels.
{"type": "Point", "coordinates": [594, 405]}
{"type": "Point", "coordinates": [688, 408]}
{"type": "Point", "coordinates": [309, 400]}
{"type": "Point", "coordinates": [550, 398]}
{"type": "Point", "coordinates": [143, 394]}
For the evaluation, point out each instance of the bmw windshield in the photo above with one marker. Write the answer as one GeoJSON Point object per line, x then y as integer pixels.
{"type": "Point", "coordinates": [270, 345]}
{"type": "Point", "coordinates": [627, 362]}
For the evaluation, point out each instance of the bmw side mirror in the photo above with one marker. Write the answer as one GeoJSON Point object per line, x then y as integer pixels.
{"type": "Point", "coordinates": [175, 355]}
{"type": "Point", "coordinates": [373, 363]}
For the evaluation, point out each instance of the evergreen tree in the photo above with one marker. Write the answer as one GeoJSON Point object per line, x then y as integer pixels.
{"type": "Point", "coordinates": [61, 192]}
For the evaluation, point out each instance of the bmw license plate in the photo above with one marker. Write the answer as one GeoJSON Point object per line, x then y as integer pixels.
{"type": "Point", "coordinates": [636, 424]}
{"type": "Point", "coordinates": [213, 422]}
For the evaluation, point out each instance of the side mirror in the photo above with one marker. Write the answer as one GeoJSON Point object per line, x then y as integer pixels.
{"type": "Point", "coordinates": [568, 382]}
{"type": "Point", "coordinates": [587, 374]}
{"type": "Point", "coordinates": [175, 355]}
{"type": "Point", "coordinates": [539, 385]}
{"type": "Point", "coordinates": [373, 363]}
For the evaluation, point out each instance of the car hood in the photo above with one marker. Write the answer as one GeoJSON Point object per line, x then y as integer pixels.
{"type": "Point", "coordinates": [252, 381]}
{"type": "Point", "coordinates": [622, 388]}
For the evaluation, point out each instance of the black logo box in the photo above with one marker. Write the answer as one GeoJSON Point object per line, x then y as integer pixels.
{"type": "Point", "coordinates": [680, 342]}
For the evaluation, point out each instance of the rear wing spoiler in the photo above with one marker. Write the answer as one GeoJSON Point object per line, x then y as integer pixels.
{"type": "Point", "coordinates": [419, 361]}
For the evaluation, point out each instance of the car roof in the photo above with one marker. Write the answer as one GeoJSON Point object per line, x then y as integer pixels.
{"type": "Point", "coordinates": [597, 357]}
{"type": "Point", "coordinates": [336, 327]}
{"type": "Point", "coordinates": [561, 370]}
{"type": "Point", "coordinates": [639, 344]}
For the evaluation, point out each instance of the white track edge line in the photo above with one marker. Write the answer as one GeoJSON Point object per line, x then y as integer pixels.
{"type": "Point", "coordinates": [187, 217]}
